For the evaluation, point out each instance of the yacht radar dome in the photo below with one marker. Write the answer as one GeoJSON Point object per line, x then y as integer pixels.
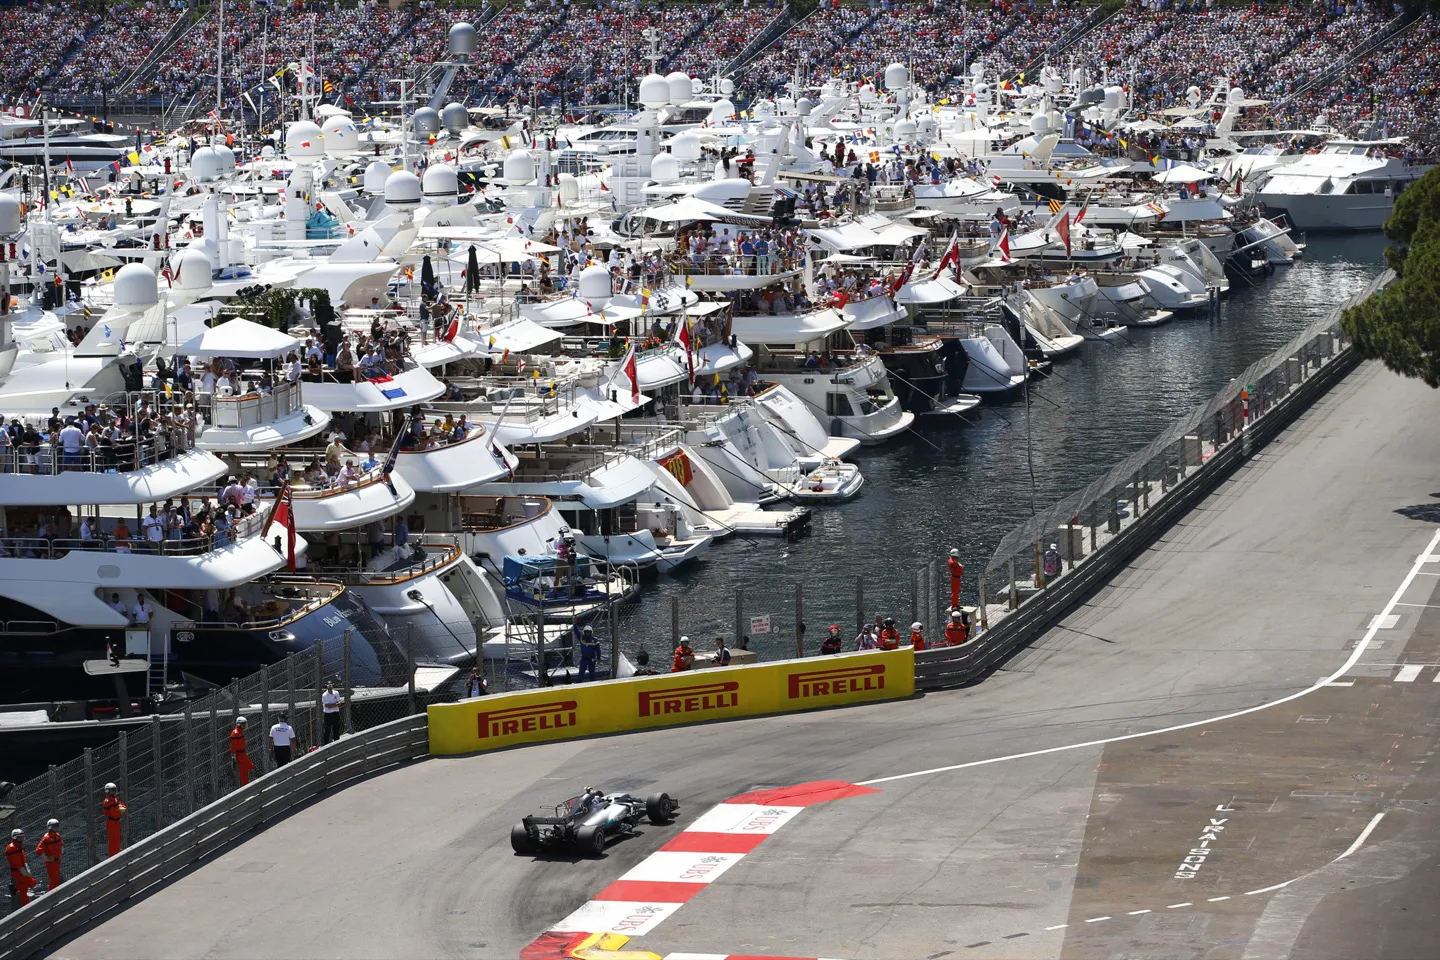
{"type": "Point", "coordinates": [905, 130]}
{"type": "Point", "coordinates": [192, 270]}
{"type": "Point", "coordinates": [685, 148]}
{"type": "Point", "coordinates": [402, 190]}
{"type": "Point", "coordinates": [595, 283]}
{"type": "Point", "coordinates": [722, 111]}
{"type": "Point", "coordinates": [569, 188]}
{"type": "Point", "coordinates": [342, 137]}
{"type": "Point", "coordinates": [804, 106]}
{"type": "Point", "coordinates": [1236, 94]}
{"type": "Point", "coordinates": [519, 168]}
{"type": "Point", "coordinates": [426, 121]}
{"type": "Point", "coordinates": [9, 216]}
{"type": "Point", "coordinates": [897, 77]}
{"type": "Point", "coordinates": [441, 183]}
{"type": "Point", "coordinates": [135, 287]}
{"type": "Point", "coordinates": [697, 87]}
{"type": "Point", "coordinates": [1114, 98]}
{"type": "Point", "coordinates": [454, 118]}
{"type": "Point", "coordinates": [304, 141]}
{"type": "Point", "coordinates": [375, 176]}
{"type": "Point", "coordinates": [679, 83]}
{"type": "Point", "coordinates": [762, 109]}
{"type": "Point", "coordinates": [727, 87]}
{"type": "Point", "coordinates": [665, 168]}
{"type": "Point", "coordinates": [654, 91]}
{"type": "Point", "coordinates": [868, 94]}
{"type": "Point", "coordinates": [462, 41]}
{"type": "Point", "coordinates": [205, 165]}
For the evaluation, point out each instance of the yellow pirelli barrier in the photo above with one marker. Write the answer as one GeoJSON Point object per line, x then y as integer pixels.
{"type": "Point", "coordinates": [579, 710]}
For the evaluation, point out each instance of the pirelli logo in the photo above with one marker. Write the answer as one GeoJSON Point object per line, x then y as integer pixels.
{"type": "Point", "coordinates": [691, 698]}
{"type": "Point", "coordinates": [805, 684]}
{"type": "Point", "coordinates": [531, 718]}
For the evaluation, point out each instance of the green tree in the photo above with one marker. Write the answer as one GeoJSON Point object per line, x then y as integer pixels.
{"type": "Point", "coordinates": [1400, 325]}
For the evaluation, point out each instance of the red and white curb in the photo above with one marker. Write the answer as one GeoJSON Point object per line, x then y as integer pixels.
{"type": "Point", "coordinates": [729, 956]}
{"type": "Point", "coordinates": [720, 838]}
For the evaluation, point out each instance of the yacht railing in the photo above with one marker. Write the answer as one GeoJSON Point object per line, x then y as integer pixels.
{"type": "Point", "coordinates": [736, 264]}
{"type": "Point", "coordinates": [426, 553]}
{"type": "Point", "coordinates": [275, 611]}
{"type": "Point", "coordinates": [54, 548]}
{"type": "Point", "coordinates": [251, 409]}
{"type": "Point", "coordinates": [121, 456]}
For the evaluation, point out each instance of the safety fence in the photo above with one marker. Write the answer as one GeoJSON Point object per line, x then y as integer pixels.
{"type": "Point", "coordinates": [137, 869]}
{"type": "Point", "coordinates": [1099, 528]}
{"type": "Point", "coordinates": [170, 765]}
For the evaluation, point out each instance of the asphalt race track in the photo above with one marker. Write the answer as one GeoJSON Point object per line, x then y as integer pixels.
{"type": "Point", "coordinates": [1002, 824]}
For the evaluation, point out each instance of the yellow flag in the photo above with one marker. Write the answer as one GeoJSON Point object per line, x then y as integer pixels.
{"type": "Point", "coordinates": [133, 157]}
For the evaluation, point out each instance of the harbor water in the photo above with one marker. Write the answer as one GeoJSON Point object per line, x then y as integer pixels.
{"type": "Point", "coordinates": [966, 484]}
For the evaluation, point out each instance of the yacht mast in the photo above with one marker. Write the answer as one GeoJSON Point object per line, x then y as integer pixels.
{"type": "Point", "coordinates": [219, 60]}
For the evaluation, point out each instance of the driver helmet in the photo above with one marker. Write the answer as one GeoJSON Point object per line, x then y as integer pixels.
{"type": "Point", "coordinates": [915, 625]}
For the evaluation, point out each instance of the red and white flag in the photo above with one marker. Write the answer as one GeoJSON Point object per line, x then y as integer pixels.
{"type": "Point", "coordinates": [285, 517]}
{"type": "Point", "coordinates": [1005, 246]}
{"type": "Point", "coordinates": [952, 256]}
{"type": "Point", "coordinates": [1063, 228]}
{"type": "Point", "coordinates": [687, 340]}
{"type": "Point", "coordinates": [454, 329]}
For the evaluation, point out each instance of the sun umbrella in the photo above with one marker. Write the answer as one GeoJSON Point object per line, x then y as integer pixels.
{"type": "Point", "coordinates": [472, 271]}
{"type": "Point", "coordinates": [427, 274]}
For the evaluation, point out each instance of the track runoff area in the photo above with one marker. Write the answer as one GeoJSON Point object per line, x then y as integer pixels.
{"type": "Point", "coordinates": [1228, 752]}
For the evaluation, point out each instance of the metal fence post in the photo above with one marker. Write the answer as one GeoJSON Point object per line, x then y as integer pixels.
{"type": "Point", "coordinates": [1014, 589]}
{"type": "Point", "coordinates": [189, 739]}
{"type": "Point", "coordinates": [924, 575]}
{"type": "Point", "coordinates": [674, 622]}
{"type": "Point", "coordinates": [290, 687]}
{"type": "Point", "coordinates": [214, 747]}
{"type": "Point", "coordinates": [799, 619]}
{"type": "Point", "coordinates": [349, 728]}
{"type": "Point", "coordinates": [90, 804]}
{"type": "Point", "coordinates": [914, 595]}
{"type": "Point", "coordinates": [52, 781]}
{"type": "Point", "coordinates": [614, 639]}
{"type": "Point", "coordinates": [984, 615]}
{"type": "Point", "coordinates": [123, 747]}
{"type": "Point", "coordinates": [264, 763]}
{"type": "Point", "coordinates": [859, 604]}
{"type": "Point", "coordinates": [543, 677]}
{"type": "Point", "coordinates": [1135, 498]}
{"type": "Point", "coordinates": [158, 759]}
{"type": "Point", "coordinates": [410, 669]}
{"type": "Point", "coordinates": [317, 718]}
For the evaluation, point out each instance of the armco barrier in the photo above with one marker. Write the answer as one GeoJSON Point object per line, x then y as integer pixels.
{"type": "Point", "coordinates": [138, 869]}
{"type": "Point", "coordinates": [614, 706]}
{"type": "Point", "coordinates": [954, 666]}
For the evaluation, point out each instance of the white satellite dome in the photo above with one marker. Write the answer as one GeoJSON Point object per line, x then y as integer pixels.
{"type": "Point", "coordinates": [722, 111]}
{"type": "Point", "coordinates": [1192, 94]}
{"type": "Point", "coordinates": [402, 190]}
{"type": "Point", "coordinates": [685, 148]}
{"type": "Point", "coordinates": [462, 40]}
{"type": "Point", "coordinates": [1114, 97]}
{"type": "Point", "coordinates": [654, 91]}
{"type": "Point", "coordinates": [425, 121]}
{"type": "Point", "coordinates": [441, 182]}
{"type": "Point", "coordinates": [1039, 123]}
{"type": "Point", "coordinates": [267, 152]}
{"type": "Point", "coordinates": [926, 124]}
{"type": "Point", "coordinates": [304, 141]}
{"type": "Point", "coordinates": [342, 137]}
{"type": "Point", "coordinates": [906, 130]}
{"type": "Point", "coordinates": [697, 87]}
{"type": "Point", "coordinates": [762, 109]}
{"type": "Point", "coordinates": [868, 94]}
{"type": "Point", "coordinates": [226, 157]}
{"type": "Point", "coordinates": [205, 165]}
{"type": "Point", "coordinates": [679, 83]}
{"type": "Point", "coordinates": [519, 168]}
{"type": "Point", "coordinates": [804, 106]}
{"type": "Point", "coordinates": [982, 90]}
{"type": "Point", "coordinates": [665, 168]}
{"type": "Point", "coordinates": [569, 188]}
{"type": "Point", "coordinates": [375, 176]}
{"type": "Point", "coordinates": [9, 215]}
{"type": "Point", "coordinates": [454, 117]}
{"type": "Point", "coordinates": [727, 87]}
{"type": "Point", "coordinates": [976, 69]}
{"type": "Point", "coordinates": [1236, 94]}
{"type": "Point", "coordinates": [897, 76]}
{"type": "Point", "coordinates": [135, 287]}
{"type": "Point", "coordinates": [192, 270]}
{"type": "Point", "coordinates": [830, 88]}
{"type": "Point", "coordinates": [595, 283]}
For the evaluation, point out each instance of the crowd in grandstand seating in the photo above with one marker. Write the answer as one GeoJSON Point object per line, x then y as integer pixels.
{"type": "Point", "coordinates": [1392, 92]}
{"type": "Point", "coordinates": [37, 38]}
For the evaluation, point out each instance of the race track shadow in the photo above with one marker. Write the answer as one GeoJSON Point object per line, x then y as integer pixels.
{"type": "Point", "coordinates": [1424, 512]}
{"type": "Point", "coordinates": [563, 855]}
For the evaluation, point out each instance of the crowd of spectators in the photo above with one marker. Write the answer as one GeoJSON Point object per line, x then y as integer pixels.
{"type": "Point", "coordinates": [1391, 92]}
{"type": "Point", "coordinates": [38, 38]}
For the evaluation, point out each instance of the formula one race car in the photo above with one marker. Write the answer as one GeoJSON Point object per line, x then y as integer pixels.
{"type": "Point", "coordinates": [587, 822]}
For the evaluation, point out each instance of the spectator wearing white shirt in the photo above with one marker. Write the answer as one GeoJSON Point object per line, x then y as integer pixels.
{"type": "Point", "coordinates": [140, 613]}
{"type": "Point", "coordinates": [282, 739]}
{"type": "Point", "coordinates": [330, 708]}
{"type": "Point", "coordinates": [153, 527]}
{"type": "Point", "coordinates": [118, 605]}
{"type": "Point", "coordinates": [72, 438]}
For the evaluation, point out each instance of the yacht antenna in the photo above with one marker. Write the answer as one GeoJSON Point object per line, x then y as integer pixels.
{"type": "Point", "coordinates": [653, 35]}
{"type": "Point", "coordinates": [219, 59]}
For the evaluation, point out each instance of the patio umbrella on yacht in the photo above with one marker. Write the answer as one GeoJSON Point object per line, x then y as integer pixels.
{"type": "Point", "coordinates": [472, 271]}
{"type": "Point", "coordinates": [427, 274]}
{"type": "Point", "coordinates": [240, 338]}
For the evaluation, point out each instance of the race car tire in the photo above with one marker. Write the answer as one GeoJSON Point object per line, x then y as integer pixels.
{"type": "Point", "coordinates": [659, 808]}
{"type": "Point", "coordinates": [590, 839]}
{"type": "Point", "coordinates": [520, 839]}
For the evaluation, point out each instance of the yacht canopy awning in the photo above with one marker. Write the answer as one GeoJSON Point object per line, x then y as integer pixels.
{"type": "Point", "coordinates": [240, 338]}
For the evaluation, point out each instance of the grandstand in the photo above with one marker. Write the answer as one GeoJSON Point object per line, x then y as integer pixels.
{"type": "Point", "coordinates": [149, 55]}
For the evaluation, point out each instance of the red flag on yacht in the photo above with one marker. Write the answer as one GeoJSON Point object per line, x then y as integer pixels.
{"type": "Point", "coordinates": [285, 517]}
{"type": "Point", "coordinates": [628, 365]}
{"type": "Point", "coordinates": [454, 328]}
{"type": "Point", "coordinates": [1005, 246]}
{"type": "Point", "coordinates": [686, 339]}
{"type": "Point", "coordinates": [1085, 208]}
{"type": "Point", "coordinates": [1063, 228]}
{"type": "Point", "coordinates": [1239, 181]}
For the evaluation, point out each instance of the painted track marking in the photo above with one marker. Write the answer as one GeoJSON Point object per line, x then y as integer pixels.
{"type": "Point", "coordinates": [1350, 661]}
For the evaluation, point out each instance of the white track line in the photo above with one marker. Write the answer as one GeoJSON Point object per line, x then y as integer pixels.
{"type": "Point", "coordinates": [1408, 673]}
{"type": "Point", "coordinates": [1350, 661]}
{"type": "Point", "coordinates": [1364, 835]}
